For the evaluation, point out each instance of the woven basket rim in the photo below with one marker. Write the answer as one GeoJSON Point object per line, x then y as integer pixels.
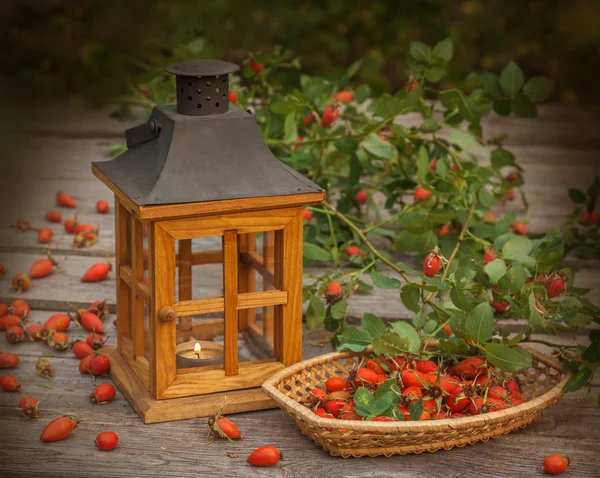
{"type": "Point", "coordinates": [269, 387]}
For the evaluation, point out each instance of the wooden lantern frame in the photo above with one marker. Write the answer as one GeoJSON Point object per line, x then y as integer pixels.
{"type": "Point", "coordinates": [154, 386]}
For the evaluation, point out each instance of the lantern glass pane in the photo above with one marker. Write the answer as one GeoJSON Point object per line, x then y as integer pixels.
{"type": "Point", "coordinates": [199, 268]}
{"type": "Point", "coordinates": [257, 340]}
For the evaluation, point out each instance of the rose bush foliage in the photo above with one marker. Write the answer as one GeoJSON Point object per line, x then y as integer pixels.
{"type": "Point", "coordinates": [397, 191]}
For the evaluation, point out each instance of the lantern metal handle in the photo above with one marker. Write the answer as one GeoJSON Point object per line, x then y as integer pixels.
{"type": "Point", "coordinates": [142, 133]}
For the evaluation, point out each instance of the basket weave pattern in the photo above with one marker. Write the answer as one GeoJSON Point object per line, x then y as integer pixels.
{"type": "Point", "coordinates": [541, 387]}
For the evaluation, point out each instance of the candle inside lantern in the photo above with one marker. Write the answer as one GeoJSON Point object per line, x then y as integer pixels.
{"type": "Point", "coordinates": [198, 353]}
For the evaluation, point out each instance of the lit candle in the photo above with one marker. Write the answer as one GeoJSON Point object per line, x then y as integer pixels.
{"type": "Point", "coordinates": [198, 353]}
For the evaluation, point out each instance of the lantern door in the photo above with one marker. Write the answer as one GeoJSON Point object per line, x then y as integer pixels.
{"type": "Point", "coordinates": [225, 300]}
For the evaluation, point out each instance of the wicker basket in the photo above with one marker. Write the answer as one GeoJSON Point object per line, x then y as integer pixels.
{"type": "Point", "coordinates": [541, 387]}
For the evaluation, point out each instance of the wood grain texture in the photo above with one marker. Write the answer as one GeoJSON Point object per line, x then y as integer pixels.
{"type": "Point", "coordinates": [288, 277]}
{"type": "Point", "coordinates": [243, 223]}
{"type": "Point", "coordinates": [224, 207]}
{"type": "Point", "coordinates": [141, 288]}
{"type": "Point", "coordinates": [269, 263]}
{"type": "Point", "coordinates": [151, 410]}
{"type": "Point", "coordinates": [230, 286]}
{"type": "Point", "coordinates": [122, 259]}
{"type": "Point", "coordinates": [197, 381]}
{"type": "Point", "coordinates": [184, 271]}
{"type": "Point", "coordinates": [137, 302]}
{"type": "Point", "coordinates": [162, 286]}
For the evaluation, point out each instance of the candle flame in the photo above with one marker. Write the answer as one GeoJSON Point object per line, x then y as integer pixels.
{"type": "Point", "coordinates": [197, 348]}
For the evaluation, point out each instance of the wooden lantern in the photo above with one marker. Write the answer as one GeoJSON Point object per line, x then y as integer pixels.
{"type": "Point", "coordinates": [202, 170]}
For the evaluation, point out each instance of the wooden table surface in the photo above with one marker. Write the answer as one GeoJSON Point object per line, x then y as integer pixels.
{"type": "Point", "coordinates": [54, 153]}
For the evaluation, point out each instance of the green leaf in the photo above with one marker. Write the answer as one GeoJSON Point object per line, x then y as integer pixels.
{"type": "Point", "coordinates": [315, 314]}
{"type": "Point", "coordinates": [486, 198]}
{"type": "Point", "coordinates": [407, 331]}
{"type": "Point", "coordinates": [362, 93]}
{"type": "Point", "coordinates": [363, 401]}
{"type": "Point", "coordinates": [435, 73]}
{"type": "Point", "coordinates": [495, 270]}
{"type": "Point", "coordinates": [502, 157]}
{"type": "Point", "coordinates": [468, 109]}
{"type": "Point", "coordinates": [389, 386]}
{"type": "Point", "coordinates": [458, 298]}
{"type": "Point", "coordinates": [514, 280]}
{"type": "Point", "coordinates": [522, 107]}
{"type": "Point", "coordinates": [415, 410]}
{"type": "Point", "coordinates": [384, 282]}
{"type": "Point", "coordinates": [291, 127]}
{"type": "Point", "coordinates": [458, 323]}
{"type": "Point", "coordinates": [410, 296]}
{"type": "Point", "coordinates": [390, 344]}
{"type": "Point", "coordinates": [382, 149]}
{"type": "Point", "coordinates": [352, 338]}
{"type": "Point", "coordinates": [577, 196]}
{"type": "Point", "coordinates": [539, 88]}
{"type": "Point", "coordinates": [535, 319]}
{"type": "Point", "coordinates": [479, 325]}
{"type": "Point", "coordinates": [338, 310]}
{"type": "Point", "coordinates": [381, 404]}
{"type": "Point", "coordinates": [511, 79]}
{"type": "Point", "coordinates": [504, 357]}
{"type": "Point", "coordinates": [373, 325]}
{"type": "Point", "coordinates": [462, 275]}
{"type": "Point", "coordinates": [491, 84]}
{"type": "Point", "coordinates": [420, 51]}
{"type": "Point", "coordinates": [315, 253]}
{"type": "Point", "coordinates": [353, 68]}
{"type": "Point", "coordinates": [516, 248]}
{"type": "Point", "coordinates": [444, 50]}
{"type": "Point", "coordinates": [578, 380]}
{"type": "Point", "coordinates": [422, 164]}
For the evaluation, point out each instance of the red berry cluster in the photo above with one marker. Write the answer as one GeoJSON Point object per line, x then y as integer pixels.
{"type": "Point", "coordinates": [447, 390]}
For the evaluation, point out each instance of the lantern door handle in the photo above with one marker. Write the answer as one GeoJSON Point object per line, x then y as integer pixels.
{"type": "Point", "coordinates": [142, 133]}
{"type": "Point", "coordinates": [167, 314]}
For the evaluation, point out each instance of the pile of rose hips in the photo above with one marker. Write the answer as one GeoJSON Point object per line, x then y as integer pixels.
{"type": "Point", "coordinates": [446, 390]}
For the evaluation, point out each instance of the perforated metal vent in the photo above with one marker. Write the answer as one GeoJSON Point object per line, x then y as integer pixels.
{"type": "Point", "coordinates": [202, 86]}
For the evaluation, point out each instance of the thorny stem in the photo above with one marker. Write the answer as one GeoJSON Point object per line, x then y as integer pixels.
{"type": "Point", "coordinates": [376, 253]}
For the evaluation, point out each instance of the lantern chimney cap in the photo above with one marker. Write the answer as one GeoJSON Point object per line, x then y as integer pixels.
{"type": "Point", "coordinates": [203, 67]}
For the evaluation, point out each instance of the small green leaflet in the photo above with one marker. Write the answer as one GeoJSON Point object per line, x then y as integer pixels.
{"type": "Point", "coordinates": [315, 314]}
{"type": "Point", "coordinates": [384, 282]}
{"type": "Point", "coordinates": [373, 325]}
{"type": "Point", "coordinates": [338, 310]}
{"type": "Point", "coordinates": [444, 50]}
{"type": "Point", "coordinates": [390, 344]}
{"type": "Point", "coordinates": [495, 270]}
{"type": "Point", "coordinates": [479, 325]}
{"type": "Point", "coordinates": [410, 296]}
{"type": "Point", "coordinates": [539, 88]}
{"type": "Point", "coordinates": [369, 406]}
{"type": "Point", "coordinates": [458, 298]}
{"type": "Point", "coordinates": [363, 401]}
{"type": "Point", "coordinates": [382, 149]}
{"type": "Point", "coordinates": [420, 51]}
{"type": "Point", "coordinates": [505, 358]}
{"type": "Point", "coordinates": [407, 331]}
{"type": "Point", "coordinates": [422, 164]}
{"type": "Point", "coordinates": [517, 248]}
{"type": "Point", "coordinates": [315, 253]}
{"type": "Point", "coordinates": [511, 79]}
{"type": "Point", "coordinates": [354, 339]}
{"type": "Point", "coordinates": [578, 380]}
{"type": "Point", "coordinates": [415, 410]}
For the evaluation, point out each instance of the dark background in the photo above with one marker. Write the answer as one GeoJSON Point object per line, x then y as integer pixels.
{"type": "Point", "coordinates": [94, 49]}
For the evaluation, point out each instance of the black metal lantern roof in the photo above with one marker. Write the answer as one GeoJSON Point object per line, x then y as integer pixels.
{"type": "Point", "coordinates": [203, 149]}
